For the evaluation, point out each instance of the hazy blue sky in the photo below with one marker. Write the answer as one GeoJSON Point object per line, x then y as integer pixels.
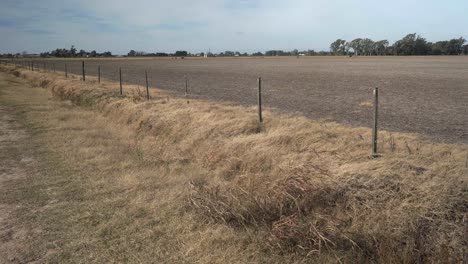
{"type": "Point", "coordinates": [219, 25]}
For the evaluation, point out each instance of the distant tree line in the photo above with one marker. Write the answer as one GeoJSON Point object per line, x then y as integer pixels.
{"type": "Point", "coordinates": [73, 53]}
{"type": "Point", "coordinates": [133, 53]}
{"type": "Point", "coordinates": [411, 44]}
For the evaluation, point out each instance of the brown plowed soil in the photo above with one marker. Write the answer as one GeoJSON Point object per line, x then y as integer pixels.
{"type": "Point", "coordinates": [426, 95]}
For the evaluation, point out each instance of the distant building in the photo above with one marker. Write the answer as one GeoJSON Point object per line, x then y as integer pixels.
{"type": "Point", "coordinates": [29, 56]}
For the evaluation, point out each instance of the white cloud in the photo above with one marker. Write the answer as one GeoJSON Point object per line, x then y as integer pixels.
{"type": "Point", "coordinates": [245, 25]}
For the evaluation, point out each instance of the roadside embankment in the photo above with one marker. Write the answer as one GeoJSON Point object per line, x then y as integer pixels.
{"type": "Point", "coordinates": [304, 188]}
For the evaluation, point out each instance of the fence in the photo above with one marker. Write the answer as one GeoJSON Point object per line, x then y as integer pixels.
{"type": "Point", "coordinates": [117, 73]}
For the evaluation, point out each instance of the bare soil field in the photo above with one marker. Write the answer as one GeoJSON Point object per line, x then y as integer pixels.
{"type": "Point", "coordinates": [426, 95]}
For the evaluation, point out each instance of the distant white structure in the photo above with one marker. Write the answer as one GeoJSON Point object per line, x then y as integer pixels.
{"type": "Point", "coordinates": [208, 54]}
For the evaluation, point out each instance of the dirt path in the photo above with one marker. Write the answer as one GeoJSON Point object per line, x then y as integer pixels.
{"type": "Point", "coordinates": [18, 164]}
{"type": "Point", "coordinates": [33, 179]}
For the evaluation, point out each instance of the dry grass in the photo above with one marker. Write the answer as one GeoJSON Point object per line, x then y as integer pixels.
{"type": "Point", "coordinates": [298, 190]}
{"type": "Point", "coordinates": [365, 104]}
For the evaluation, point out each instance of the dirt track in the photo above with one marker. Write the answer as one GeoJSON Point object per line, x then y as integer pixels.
{"type": "Point", "coordinates": [426, 95]}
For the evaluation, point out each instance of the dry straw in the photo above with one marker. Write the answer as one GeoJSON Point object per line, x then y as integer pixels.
{"type": "Point", "coordinates": [311, 186]}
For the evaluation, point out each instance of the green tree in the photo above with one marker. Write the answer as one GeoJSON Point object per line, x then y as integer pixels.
{"type": "Point", "coordinates": [72, 51]}
{"type": "Point", "coordinates": [421, 47]}
{"type": "Point", "coordinates": [356, 45]}
{"type": "Point", "coordinates": [181, 53]}
{"type": "Point", "coordinates": [380, 47]}
{"type": "Point", "coordinates": [455, 46]}
{"type": "Point", "coordinates": [405, 46]}
{"type": "Point", "coordinates": [367, 46]}
{"type": "Point", "coordinates": [338, 47]}
{"type": "Point", "coordinates": [440, 48]}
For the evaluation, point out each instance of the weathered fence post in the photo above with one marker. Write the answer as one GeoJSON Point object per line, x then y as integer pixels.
{"type": "Point", "coordinates": [53, 65]}
{"type": "Point", "coordinates": [186, 85]}
{"type": "Point", "coordinates": [147, 85]}
{"type": "Point", "coordinates": [32, 65]}
{"type": "Point", "coordinates": [260, 118]}
{"type": "Point", "coordinates": [66, 71]}
{"type": "Point", "coordinates": [99, 73]}
{"type": "Point", "coordinates": [120, 78]}
{"type": "Point", "coordinates": [375, 128]}
{"type": "Point", "coordinates": [186, 88]}
{"type": "Point", "coordinates": [83, 69]}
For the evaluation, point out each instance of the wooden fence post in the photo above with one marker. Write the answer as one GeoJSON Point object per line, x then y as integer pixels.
{"type": "Point", "coordinates": [147, 86]}
{"type": "Point", "coordinates": [375, 128]}
{"type": "Point", "coordinates": [99, 73]}
{"type": "Point", "coordinates": [53, 65]}
{"type": "Point", "coordinates": [186, 85]}
{"type": "Point", "coordinates": [120, 78]}
{"type": "Point", "coordinates": [66, 71]}
{"type": "Point", "coordinates": [260, 118]}
{"type": "Point", "coordinates": [83, 69]}
{"type": "Point", "coordinates": [32, 65]}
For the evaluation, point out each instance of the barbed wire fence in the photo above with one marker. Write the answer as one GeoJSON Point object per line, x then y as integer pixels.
{"type": "Point", "coordinates": [116, 73]}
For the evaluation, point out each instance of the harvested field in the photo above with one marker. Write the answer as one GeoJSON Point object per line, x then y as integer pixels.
{"type": "Point", "coordinates": [425, 95]}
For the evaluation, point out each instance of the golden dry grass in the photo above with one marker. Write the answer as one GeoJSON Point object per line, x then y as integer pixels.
{"type": "Point", "coordinates": [294, 190]}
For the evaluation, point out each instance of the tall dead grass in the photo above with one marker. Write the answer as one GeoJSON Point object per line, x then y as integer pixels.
{"type": "Point", "coordinates": [311, 186]}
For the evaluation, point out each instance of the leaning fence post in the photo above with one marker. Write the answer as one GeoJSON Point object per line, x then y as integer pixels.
{"type": "Point", "coordinates": [120, 78]}
{"type": "Point", "coordinates": [375, 128]}
{"type": "Point", "coordinates": [83, 69]}
{"type": "Point", "coordinates": [66, 71]}
{"type": "Point", "coordinates": [147, 86]}
{"type": "Point", "coordinates": [99, 73]}
{"type": "Point", "coordinates": [260, 118]}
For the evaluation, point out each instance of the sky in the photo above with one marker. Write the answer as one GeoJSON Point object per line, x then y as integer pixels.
{"type": "Point", "coordinates": [220, 25]}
